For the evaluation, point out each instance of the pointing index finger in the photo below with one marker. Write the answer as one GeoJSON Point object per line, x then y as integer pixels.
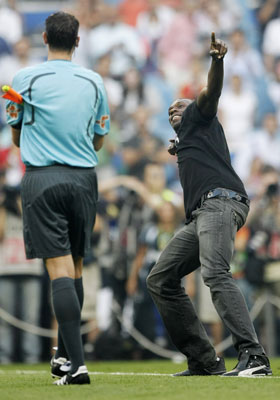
{"type": "Point", "coordinates": [213, 39]}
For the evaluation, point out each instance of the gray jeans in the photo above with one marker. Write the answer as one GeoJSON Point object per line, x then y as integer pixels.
{"type": "Point", "coordinates": [208, 240]}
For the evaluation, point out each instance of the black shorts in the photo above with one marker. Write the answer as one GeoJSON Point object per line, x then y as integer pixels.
{"type": "Point", "coordinates": [59, 209]}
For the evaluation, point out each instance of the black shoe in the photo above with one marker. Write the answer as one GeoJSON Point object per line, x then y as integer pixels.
{"type": "Point", "coordinates": [59, 367]}
{"type": "Point", "coordinates": [217, 369]}
{"type": "Point", "coordinates": [251, 365]}
{"type": "Point", "coordinates": [79, 378]}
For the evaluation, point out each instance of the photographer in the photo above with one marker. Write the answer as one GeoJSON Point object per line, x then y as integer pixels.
{"type": "Point", "coordinates": [264, 242]}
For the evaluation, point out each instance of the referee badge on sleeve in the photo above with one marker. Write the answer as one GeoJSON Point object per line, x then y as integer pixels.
{"type": "Point", "coordinates": [102, 121]}
{"type": "Point", "coordinates": [13, 112]}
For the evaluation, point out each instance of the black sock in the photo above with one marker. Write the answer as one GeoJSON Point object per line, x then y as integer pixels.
{"type": "Point", "coordinates": [68, 314]}
{"type": "Point", "coordinates": [61, 351]}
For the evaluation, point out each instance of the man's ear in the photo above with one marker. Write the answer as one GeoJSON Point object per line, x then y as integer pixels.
{"type": "Point", "coordinates": [45, 38]}
{"type": "Point", "coordinates": [77, 41]}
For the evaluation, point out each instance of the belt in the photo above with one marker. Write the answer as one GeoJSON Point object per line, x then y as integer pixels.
{"type": "Point", "coordinates": [229, 194]}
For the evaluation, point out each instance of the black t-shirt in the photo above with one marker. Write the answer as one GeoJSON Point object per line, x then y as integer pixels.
{"type": "Point", "coordinates": [203, 158]}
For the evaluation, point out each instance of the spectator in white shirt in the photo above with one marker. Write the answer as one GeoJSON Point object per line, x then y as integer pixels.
{"type": "Point", "coordinates": [243, 60]}
{"type": "Point", "coordinates": [237, 112]}
{"type": "Point", "coordinates": [271, 42]}
{"type": "Point", "coordinates": [120, 40]}
{"type": "Point", "coordinates": [261, 147]}
{"type": "Point", "coordinates": [11, 27]}
{"type": "Point", "coordinates": [265, 143]}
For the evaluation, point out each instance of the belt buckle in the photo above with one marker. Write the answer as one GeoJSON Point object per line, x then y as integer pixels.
{"type": "Point", "coordinates": [209, 195]}
{"type": "Point", "coordinates": [225, 193]}
{"type": "Point", "coordinates": [238, 197]}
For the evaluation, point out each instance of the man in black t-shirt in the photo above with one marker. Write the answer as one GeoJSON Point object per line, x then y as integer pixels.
{"type": "Point", "coordinates": [216, 206]}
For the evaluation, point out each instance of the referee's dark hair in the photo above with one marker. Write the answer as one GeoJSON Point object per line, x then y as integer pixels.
{"type": "Point", "coordinates": [62, 31]}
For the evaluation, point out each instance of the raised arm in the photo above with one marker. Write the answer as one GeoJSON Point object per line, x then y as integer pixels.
{"type": "Point", "coordinates": [208, 98]}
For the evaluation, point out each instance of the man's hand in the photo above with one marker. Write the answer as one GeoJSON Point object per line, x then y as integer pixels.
{"type": "Point", "coordinates": [218, 48]}
{"type": "Point", "coordinates": [172, 147]}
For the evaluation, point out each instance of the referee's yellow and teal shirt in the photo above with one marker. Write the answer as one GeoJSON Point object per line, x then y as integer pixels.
{"type": "Point", "coordinates": [64, 106]}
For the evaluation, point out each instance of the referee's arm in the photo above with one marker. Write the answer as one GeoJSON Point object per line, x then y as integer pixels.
{"type": "Point", "coordinates": [15, 136]}
{"type": "Point", "coordinates": [98, 141]}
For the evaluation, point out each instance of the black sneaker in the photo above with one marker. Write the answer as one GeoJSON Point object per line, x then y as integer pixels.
{"type": "Point", "coordinates": [79, 378]}
{"type": "Point", "coordinates": [251, 365]}
{"type": "Point", "coordinates": [59, 367]}
{"type": "Point", "coordinates": [217, 369]}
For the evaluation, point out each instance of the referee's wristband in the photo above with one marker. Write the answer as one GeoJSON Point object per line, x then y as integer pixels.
{"type": "Point", "coordinates": [17, 126]}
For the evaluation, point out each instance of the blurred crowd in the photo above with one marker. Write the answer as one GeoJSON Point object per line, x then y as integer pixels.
{"type": "Point", "coordinates": [148, 52]}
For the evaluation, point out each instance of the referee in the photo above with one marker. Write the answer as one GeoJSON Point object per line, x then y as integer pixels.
{"type": "Point", "coordinates": [59, 128]}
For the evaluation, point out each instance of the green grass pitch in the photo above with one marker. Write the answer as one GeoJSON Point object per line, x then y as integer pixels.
{"type": "Point", "coordinates": [147, 380]}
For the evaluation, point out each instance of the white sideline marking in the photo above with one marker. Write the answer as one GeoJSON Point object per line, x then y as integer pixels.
{"type": "Point", "coordinates": [28, 372]}
{"type": "Point", "coordinates": [23, 372]}
{"type": "Point", "coordinates": [31, 372]}
{"type": "Point", "coordinates": [156, 374]}
{"type": "Point", "coordinates": [258, 376]}
{"type": "Point", "coordinates": [129, 373]}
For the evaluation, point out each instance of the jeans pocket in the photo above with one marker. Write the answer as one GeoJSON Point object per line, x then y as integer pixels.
{"type": "Point", "coordinates": [237, 220]}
